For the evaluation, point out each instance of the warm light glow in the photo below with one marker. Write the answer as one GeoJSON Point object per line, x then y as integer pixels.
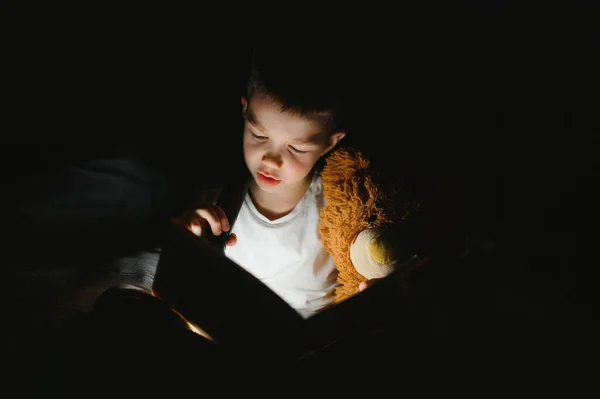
{"type": "Point", "coordinates": [192, 327]}
{"type": "Point", "coordinates": [198, 330]}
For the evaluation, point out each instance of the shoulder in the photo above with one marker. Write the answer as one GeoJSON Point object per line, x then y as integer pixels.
{"type": "Point", "coordinates": [316, 193]}
{"type": "Point", "coordinates": [316, 185]}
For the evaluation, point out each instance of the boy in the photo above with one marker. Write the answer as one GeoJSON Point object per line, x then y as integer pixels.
{"type": "Point", "coordinates": [291, 122]}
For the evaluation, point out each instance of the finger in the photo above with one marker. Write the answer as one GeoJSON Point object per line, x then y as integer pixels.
{"type": "Point", "coordinates": [232, 240]}
{"type": "Point", "coordinates": [224, 221]}
{"type": "Point", "coordinates": [195, 228]}
{"type": "Point", "coordinates": [213, 219]}
{"type": "Point", "coordinates": [192, 225]}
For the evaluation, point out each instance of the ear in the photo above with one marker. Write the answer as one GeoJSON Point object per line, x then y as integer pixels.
{"type": "Point", "coordinates": [244, 104]}
{"type": "Point", "coordinates": [332, 141]}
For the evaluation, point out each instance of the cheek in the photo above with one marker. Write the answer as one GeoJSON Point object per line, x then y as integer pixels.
{"type": "Point", "coordinates": [300, 165]}
{"type": "Point", "coordinates": [251, 150]}
{"type": "Point", "coordinates": [249, 157]}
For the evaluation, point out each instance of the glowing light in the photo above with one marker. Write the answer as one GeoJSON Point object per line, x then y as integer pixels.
{"type": "Point", "coordinates": [199, 331]}
{"type": "Point", "coordinates": [191, 326]}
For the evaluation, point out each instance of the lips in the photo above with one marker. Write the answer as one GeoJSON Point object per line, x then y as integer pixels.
{"type": "Point", "coordinates": [267, 179]}
{"type": "Point", "coordinates": [267, 175]}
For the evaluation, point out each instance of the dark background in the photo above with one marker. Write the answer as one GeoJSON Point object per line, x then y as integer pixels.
{"type": "Point", "coordinates": [491, 107]}
{"type": "Point", "coordinates": [501, 95]}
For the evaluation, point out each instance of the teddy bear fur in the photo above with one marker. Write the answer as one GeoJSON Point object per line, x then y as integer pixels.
{"type": "Point", "coordinates": [358, 196]}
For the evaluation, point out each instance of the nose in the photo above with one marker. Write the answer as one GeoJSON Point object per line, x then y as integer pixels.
{"type": "Point", "coordinates": [272, 159]}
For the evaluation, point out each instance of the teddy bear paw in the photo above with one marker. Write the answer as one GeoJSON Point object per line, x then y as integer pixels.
{"type": "Point", "coordinates": [377, 252]}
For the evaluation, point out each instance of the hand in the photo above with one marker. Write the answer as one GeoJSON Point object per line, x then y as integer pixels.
{"type": "Point", "coordinates": [213, 216]}
{"type": "Point", "coordinates": [366, 284]}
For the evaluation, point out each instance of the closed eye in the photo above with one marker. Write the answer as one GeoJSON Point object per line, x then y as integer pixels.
{"type": "Point", "coordinates": [259, 138]}
{"type": "Point", "coordinates": [297, 151]}
{"type": "Point", "coordinates": [292, 148]}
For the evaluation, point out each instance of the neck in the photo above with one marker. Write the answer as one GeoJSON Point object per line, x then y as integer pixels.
{"type": "Point", "coordinates": [279, 203]}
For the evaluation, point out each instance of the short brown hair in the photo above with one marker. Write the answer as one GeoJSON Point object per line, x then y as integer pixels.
{"type": "Point", "coordinates": [308, 83]}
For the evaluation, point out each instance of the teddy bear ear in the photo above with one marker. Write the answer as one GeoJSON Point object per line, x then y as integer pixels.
{"type": "Point", "coordinates": [344, 162]}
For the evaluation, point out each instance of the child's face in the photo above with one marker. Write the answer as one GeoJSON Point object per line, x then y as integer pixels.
{"type": "Point", "coordinates": [281, 148]}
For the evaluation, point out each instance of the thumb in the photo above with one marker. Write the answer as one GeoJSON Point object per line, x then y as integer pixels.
{"type": "Point", "coordinates": [231, 240]}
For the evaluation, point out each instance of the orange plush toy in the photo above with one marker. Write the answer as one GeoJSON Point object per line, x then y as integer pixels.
{"type": "Point", "coordinates": [366, 219]}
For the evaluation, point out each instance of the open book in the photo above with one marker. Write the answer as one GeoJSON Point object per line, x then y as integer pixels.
{"type": "Point", "coordinates": [231, 307]}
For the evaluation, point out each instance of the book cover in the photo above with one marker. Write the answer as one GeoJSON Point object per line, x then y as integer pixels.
{"type": "Point", "coordinates": [231, 307]}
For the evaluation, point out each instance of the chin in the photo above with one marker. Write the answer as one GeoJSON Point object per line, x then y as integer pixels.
{"type": "Point", "coordinates": [270, 189]}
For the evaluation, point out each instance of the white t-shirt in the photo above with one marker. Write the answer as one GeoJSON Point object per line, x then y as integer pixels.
{"type": "Point", "coordinates": [286, 254]}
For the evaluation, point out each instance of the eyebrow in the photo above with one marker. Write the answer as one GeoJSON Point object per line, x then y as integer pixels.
{"type": "Point", "coordinates": [312, 141]}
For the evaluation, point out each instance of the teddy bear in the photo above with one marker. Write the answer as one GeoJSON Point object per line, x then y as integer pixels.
{"type": "Point", "coordinates": [366, 220]}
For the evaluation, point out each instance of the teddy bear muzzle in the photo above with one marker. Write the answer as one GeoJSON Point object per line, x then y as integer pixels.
{"type": "Point", "coordinates": [377, 252]}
